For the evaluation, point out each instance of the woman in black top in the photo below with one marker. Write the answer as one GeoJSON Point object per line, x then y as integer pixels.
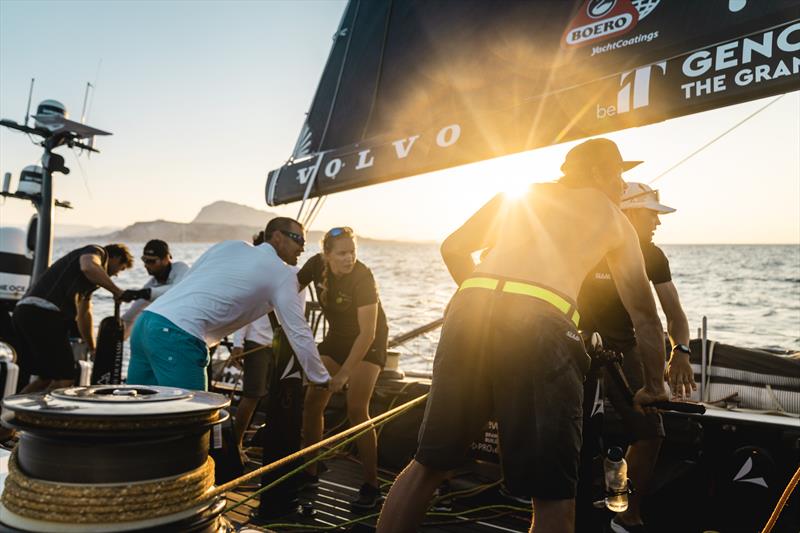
{"type": "Point", "coordinates": [354, 349]}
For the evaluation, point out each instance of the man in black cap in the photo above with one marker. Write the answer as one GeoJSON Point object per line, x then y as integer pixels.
{"type": "Point", "coordinates": [164, 273]}
{"type": "Point", "coordinates": [509, 345]}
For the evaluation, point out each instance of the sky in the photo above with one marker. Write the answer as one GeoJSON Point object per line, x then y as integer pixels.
{"type": "Point", "coordinates": [204, 98]}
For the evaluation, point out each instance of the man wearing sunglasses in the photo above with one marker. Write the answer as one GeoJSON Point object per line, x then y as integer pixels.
{"type": "Point", "coordinates": [229, 286]}
{"type": "Point", "coordinates": [164, 273]}
{"type": "Point", "coordinates": [602, 311]}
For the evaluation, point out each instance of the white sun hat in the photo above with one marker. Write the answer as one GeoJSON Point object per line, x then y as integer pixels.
{"type": "Point", "coordinates": [641, 196]}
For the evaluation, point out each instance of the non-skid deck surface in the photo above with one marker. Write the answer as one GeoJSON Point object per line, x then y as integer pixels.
{"type": "Point", "coordinates": [488, 511]}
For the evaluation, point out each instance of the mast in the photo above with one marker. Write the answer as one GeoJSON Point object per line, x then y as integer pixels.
{"type": "Point", "coordinates": [55, 129]}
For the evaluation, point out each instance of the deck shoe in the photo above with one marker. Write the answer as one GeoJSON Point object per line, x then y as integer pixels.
{"type": "Point", "coordinates": [368, 498]}
{"type": "Point", "coordinates": [275, 512]}
{"type": "Point", "coordinates": [618, 527]}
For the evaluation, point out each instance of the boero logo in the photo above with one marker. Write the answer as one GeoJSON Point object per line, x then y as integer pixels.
{"type": "Point", "coordinates": [599, 8]}
{"type": "Point", "coordinates": [600, 20]}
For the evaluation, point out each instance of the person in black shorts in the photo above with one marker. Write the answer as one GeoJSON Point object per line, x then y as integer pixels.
{"type": "Point", "coordinates": [63, 294]}
{"type": "Point", "coordinates": [509, 345]}
{"type": "Point", "coordinates": [354, 349]}
{"type": "Point", "coordinates": [602, 311]}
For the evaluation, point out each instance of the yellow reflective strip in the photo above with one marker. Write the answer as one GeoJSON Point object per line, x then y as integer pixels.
{"type": "Point", "coordinates": [537, 292]}
{"type": "Point", "coordinates": [479, 283]}
{"type": "Point", "coordinates": [576, 318]}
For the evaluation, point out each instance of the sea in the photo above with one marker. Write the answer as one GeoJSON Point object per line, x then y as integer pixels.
{"type": "Point", "coordinates": [750, 294]}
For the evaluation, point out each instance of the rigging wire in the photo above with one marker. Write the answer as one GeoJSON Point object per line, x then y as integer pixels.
{"type": "Point", "coordinates": [715, 139]}
{"type": "Point", "coordinates": [94, 88]}
{"type": "Point", "coordinates": [83, 175]}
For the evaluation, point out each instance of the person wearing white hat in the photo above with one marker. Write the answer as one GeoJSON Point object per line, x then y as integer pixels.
{"type": "Point", "coordinates": [602, 311]}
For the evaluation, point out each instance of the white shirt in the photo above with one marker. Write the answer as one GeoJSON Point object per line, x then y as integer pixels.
{"type": "Point", "coordinates": [177, 270]}
{"type": "Point", "coordinates": [258, 331]}
{"type": "Point", "coordinates": [232, 284]}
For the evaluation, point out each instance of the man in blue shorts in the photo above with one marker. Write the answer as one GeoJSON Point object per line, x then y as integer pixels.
{"type": "Point", "coordinates": [230, 285]}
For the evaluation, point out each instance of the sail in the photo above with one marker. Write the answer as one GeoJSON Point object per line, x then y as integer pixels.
{"type": "Point", "coordinates": [413, 86]}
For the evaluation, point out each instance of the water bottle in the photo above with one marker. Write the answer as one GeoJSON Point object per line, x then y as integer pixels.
{"type": "Point", "coordinates": [616, 470]}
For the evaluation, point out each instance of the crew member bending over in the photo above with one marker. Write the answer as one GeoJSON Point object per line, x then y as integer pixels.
{"type": "Point", "coordinates": [63, 294]}
{"type": "Point", "coordinates": [354, 350]}
{"type": "Point", "coordinates": [230, 285]}
{"type": "Point", "coordinates": [510, 346]}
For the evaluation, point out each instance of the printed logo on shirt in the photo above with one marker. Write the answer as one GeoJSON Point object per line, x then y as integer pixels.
{"type": "Point", "coordinates": [342, 300]}
{"type": "Point", "coordinates": [574, 336]}
{"type": "Point", "coordinates": [602, 275]}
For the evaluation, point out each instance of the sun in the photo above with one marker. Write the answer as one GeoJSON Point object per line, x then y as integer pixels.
{"type": "Point", "coordinates": [514, 186]}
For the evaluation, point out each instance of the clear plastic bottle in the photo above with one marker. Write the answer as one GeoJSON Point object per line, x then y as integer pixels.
{"type": "Point", "coordinates": [616, 470]}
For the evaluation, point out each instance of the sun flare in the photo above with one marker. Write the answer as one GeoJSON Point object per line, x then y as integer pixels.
{"type": "Point", "coordinates": [515, 186]}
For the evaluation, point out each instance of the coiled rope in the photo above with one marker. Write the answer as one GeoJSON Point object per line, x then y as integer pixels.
{"type": "Point", "coordinates": [105, 503]}
{"type": "Point", "coordinates": [345, 437]}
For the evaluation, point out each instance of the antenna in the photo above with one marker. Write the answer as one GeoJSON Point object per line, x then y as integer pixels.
{"type": "Point", "coordinates": [28, 111]}
{"type": "Point", "coordinates": [85, 99]}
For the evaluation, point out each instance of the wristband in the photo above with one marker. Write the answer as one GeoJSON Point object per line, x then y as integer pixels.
{"type": "Point", "coordinates": [682, 348]}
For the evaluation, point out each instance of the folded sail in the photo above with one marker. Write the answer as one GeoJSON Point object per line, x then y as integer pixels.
{"type": "Point", "coordinates": [413, 86]}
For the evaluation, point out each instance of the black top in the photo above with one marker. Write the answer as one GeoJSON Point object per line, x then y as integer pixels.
{"type": "Point", "coordinates": [64, 280]}
{"type": "Point", "coordinates": [601, 308]}
{"type": "Point", "coordinates": [345, 295]}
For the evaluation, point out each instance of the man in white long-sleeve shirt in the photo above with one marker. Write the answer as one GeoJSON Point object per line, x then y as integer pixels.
{"type": "Point", "coordinates": [164, 273]}
{"type": "Point", "coordinates": [230, 285]}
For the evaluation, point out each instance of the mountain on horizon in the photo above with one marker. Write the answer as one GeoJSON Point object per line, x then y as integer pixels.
{"type": "Point", "coordinates": [232, 214]}
{"type": "Point", "coordinates": [218, 221]}
{"type": "Point", "coordinates": [215, 222]}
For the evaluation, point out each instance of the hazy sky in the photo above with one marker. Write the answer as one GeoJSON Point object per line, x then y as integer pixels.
{"type": "Point", "coordinates": [205, 98]}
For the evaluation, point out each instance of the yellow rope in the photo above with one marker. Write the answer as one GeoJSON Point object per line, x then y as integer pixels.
{"type": "Point", "coordinates": [87, 504]}
{"type": "Point", "coordinates": [782, 502]}
{"type": "Point", "coordinates": [314, 447]}
{"type": "Point", "coordinates": [80, 424]}
{"type": "Point", "coordinates": [126, 502]}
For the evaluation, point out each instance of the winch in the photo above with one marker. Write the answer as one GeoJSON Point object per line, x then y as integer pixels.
{"type": "Point", "coordinates": [112, 458]}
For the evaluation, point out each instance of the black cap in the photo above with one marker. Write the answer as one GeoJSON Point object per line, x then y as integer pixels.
{"type": "Point", "coordinates": [157, 248]}
{"type": "Point", "coordinates": [593, 151]}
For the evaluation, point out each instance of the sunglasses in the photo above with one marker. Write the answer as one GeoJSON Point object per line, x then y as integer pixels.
{"type": "Point", "coordinates": [149, 260]}
{"type": "Point", "coordinates": [296, 237]}
{"type": "Point", "coordinates": [335, 232]}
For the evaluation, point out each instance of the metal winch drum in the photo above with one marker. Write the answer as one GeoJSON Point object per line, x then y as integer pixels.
{"type": "Point", "coordinates": [112, 458]}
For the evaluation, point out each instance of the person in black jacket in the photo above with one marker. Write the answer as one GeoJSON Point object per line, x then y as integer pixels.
{"type": "Point", "coordinates": [354, 350]}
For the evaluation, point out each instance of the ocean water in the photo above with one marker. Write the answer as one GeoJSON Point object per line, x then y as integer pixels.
{"type": "Point", "coordinates": [750, 294]}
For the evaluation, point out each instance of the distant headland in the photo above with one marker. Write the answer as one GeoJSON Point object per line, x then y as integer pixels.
{"type": "Point", "coordinates": [218, 221]}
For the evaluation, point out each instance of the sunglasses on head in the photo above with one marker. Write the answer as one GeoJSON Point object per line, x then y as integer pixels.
{"type": "Point", "coordinates": [149, 260]}
{"type": "Point", "coordinates": [335, 232]}
{"type": "Point", "coordinates": [296, 237]}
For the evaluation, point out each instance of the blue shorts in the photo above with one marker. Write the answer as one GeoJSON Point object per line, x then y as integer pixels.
{"type": "Point", "coordinates": [164, 354]}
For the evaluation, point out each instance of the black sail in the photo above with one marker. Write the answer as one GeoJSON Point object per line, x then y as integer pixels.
{"type": "Point", "coordinates": [413, 86]}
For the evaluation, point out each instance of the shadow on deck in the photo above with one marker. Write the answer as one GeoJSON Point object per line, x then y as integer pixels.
{"type": "Point", "coordinates": [473, 503]}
